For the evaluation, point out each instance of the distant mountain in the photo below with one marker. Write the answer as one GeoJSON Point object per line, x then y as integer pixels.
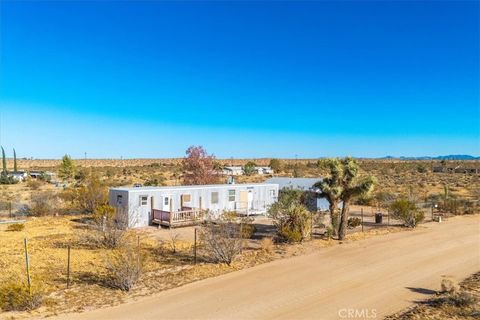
{"type": "Point", "coordinates": [448, 157]}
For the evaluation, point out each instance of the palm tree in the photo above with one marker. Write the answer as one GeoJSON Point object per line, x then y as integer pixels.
{"type": "Point", "coordinates": [331, 189]}
{"type": "Point", "coordinates": [352, 187]}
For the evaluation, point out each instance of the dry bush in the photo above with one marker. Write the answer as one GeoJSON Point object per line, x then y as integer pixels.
{"type": "Point", "coordinates": [267, 245]}
{"type": "Point", "coordinates": [108, 235]}
{"type": "Point", "coordinates": [43, 204]}
{"type": "Point", "coordinates": [174, 237]}
{"type": "Point", "coordinates": [15, 296]}
{"type": "Point", "coordinates": [222, 240]}
{"type": "Point", "coordinates": [449, 286]}
{"type": "Point", "coordinates": [461, 299]}
{"type": "Point", "coordinates": [16, 227]}
{"type": "Point", "coordinates": [34, 184]}
{"type": "Point", "coordinates": [124, 267]}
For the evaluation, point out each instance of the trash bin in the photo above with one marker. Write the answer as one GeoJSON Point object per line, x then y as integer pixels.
{"type": "Point", "coordinates": [378, 217]}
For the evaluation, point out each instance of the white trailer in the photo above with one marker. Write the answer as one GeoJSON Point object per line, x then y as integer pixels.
{"type": "Point", "coordinates": [181, 205]}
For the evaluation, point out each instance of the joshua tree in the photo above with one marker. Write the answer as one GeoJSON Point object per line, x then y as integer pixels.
{"type": "Point", "coordinates": [351, 187]}
{"type": "Point", "coordinates": [14, 161]}
{"type": "Point", "coordinates": [4, 162]}
{"type": "Point", "coordinates": [331, 189]}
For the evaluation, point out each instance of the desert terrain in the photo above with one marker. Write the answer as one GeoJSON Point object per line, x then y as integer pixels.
{"type": "Point", "coordinates": [380, 275]}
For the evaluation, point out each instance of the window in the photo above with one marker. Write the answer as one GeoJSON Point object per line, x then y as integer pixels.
{"type": "Point", "coordinates": [119, 199]}
{"type": "Point", "coordinates": [186, 197]}
{"type": "Point", "coordinates": [214, 197]}
{"type": "Point", "coordinates": [165, 201]}
{"type": "Point", "coordinates": [272, 193]}
{"type": "Point", "coordinates": [143, 200]}
{"type": "Point", "coordinates": [231, 195]}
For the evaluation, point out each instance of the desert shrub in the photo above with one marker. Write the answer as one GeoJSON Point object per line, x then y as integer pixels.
{"type": "Point", "coordinates": [276, 165]}
{"type": "Point", "coordinates": [249, 168]}
{"type": "Point", "coordinates": [103, 212]}
{"type": "Point", "coordinates": [173, 241]}
{"type": "Point", "coordinates": [449, 286]}
{"type": "Point", "coordinates": [407, 212]}
{"type": "Point", "coordinates": [15, 296]}
{"type": "Point", "coordinates": [16, 227]}
{"type": "Point", "coordinates": [354, 222]}
{"type": "Point", "coordinates": [461, 299]}
{"type": "Point", "coordinates": [34, 184]}
{"type": "Point", "coordinates": [222, 240]}
{"type": "Point", "coordinates": [158, 181]}
{"type": "Point", "coordinates": [247, 228]}
{"type": "Point", "coordinates": [6, 179]}
{"type": "Point", "coordinates": [112, 236]}
{"type": "Point", "coordinates": [124, 267]}
{"type": "Point", "coordinates": [88, 196]}
{"type": "Point", "coordinates": [266, 245]}
{"type": "Point", "coordinates": [43, 204]}
{"type": "Point", "coordinates": [292, 220]}
{"type": "Point", "coordinates": [421, 168]}
{"type": "Point", "coordinates": [92, 194]}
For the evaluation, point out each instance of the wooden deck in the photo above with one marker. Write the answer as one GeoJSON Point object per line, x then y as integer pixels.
{"type": "Point", "coordinates": [188, 217]}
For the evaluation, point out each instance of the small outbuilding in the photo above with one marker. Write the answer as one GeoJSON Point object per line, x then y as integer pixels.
{"type": "Point", "coordinates": [303, 184]}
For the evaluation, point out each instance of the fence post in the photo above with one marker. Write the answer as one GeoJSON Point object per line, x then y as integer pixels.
{"type": "Point", "coordinates": [311, 225]}
{"type": "Point", "coordinates": [388, 218]}
{"type": "Point", "coordinates": [10, 209]}
{"type": "Point", "coordinates": [362, 219]}
{"type": "Point", "coordinates": [68, 266]}
{"type": "Point", "coordinates": [25, 241]}
{"type": "Point", "coordinates": [195, 247]}
{"type": "Point", "coordinates": [138, 252]}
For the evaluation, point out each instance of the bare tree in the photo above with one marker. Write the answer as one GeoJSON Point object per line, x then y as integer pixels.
{"type": "Point", "coordinates": [222, 240]}
{"type": "Point", "coordinates": [124, 266]}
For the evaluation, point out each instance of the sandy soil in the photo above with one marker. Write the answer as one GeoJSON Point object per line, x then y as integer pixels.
{"type": "Point", "coordinates": [375, 277]}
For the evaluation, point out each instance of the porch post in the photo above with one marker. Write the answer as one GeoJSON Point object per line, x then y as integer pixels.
{"type": "Point", "coordinates": [171, 211]}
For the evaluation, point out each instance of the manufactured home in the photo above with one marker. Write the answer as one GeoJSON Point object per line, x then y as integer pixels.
{"type": "Point", "coordinates": [182, 205]}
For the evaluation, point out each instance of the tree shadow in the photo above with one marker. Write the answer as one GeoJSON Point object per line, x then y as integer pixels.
{"type": "Point", "coordinates": [422, 290]}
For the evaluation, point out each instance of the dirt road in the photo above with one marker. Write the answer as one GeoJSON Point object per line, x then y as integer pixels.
{"type": "Point", "coordinates": [359, 280]}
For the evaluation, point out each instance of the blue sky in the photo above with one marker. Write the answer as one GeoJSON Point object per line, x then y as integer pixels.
{"type": "Point", "coordinates": [243, 79]}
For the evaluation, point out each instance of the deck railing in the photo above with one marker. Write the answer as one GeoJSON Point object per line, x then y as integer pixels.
{"type": "Point", "coordinates": [177, 218]}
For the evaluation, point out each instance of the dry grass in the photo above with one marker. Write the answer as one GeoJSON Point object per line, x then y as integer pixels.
{"type": "Point", "coordinates": [90, 288]}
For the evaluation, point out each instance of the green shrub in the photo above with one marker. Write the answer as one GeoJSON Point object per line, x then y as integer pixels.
{"type": "Point", "coordinates": [354, 222]}
{"type": "Point", "coordinates": [16, 227]}
{"type": "Point", "coordinates": [407, 212]}
{"type": "Point", "coordinates": [15, 296]}
{"type": "Point", "coordinates": [293, 221]}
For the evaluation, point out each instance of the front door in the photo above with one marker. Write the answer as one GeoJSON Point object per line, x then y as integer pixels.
{"type": "Point", "coordinates": [250, 199]}
{"type": "Point", "coordinates": [243, 203]}
{"type": "Point", "coordinates": [166, 203]}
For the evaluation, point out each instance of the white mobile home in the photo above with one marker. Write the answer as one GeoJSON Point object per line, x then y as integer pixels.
{"type": "Point", "coordinates": [179, 205]}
